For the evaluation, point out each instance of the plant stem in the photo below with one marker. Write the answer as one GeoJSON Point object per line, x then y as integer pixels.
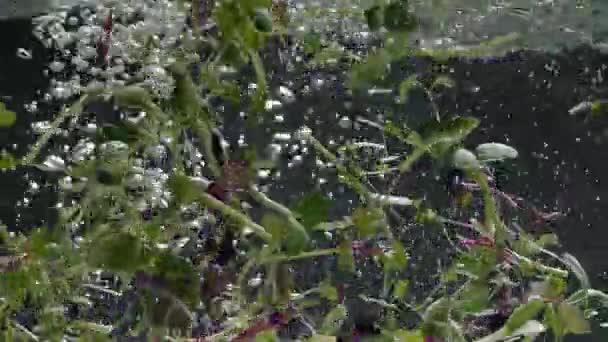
{"type": "Point", "coordinates": [266, 201]}
{"type": "Point", "coordinates": [305, 255]}
{"type": "Point", "coordinates": [211, 202]}
{"type": "Point", "coordinates": [75, 109]}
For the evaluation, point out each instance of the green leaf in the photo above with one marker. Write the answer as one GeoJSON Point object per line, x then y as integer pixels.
{"type": "Point", "coordinates": [408, 336]}
{"type": "Point", "coordinates": [438, 311]}
{"type": "Point", "coordinates": [397, 17]}
{"type": "Point", "coordinates": [179, 275]}
{"type": "Point", "coordinates": [7, 117]}
{"type": "Point", "coordinates": [368, 220]}
{"type": "Point", "coordinates": [554, 287]}
{"type": "Point", "coordinates": [133, 97]}
{"type": "Point", "coordinates": [451, 131]}
{"type": "Point", "coordinates": [495, 152]}
{"type": "Point", "coordinates": [333, 320]}
{"type": "Point", "coordinates": [523, 314]}
{"type": "Point", "coordinates": [119, 252]}
{"type": "Point", "coordinates": [396, 259]}
{"type": "Point", "coordinates": [374, 68]}
{"type": "Point", "coordinates": [478, 263]}
{"type": "Point", "coordinates": [475, 297]}
{"type": "Point", "coordinates": [182, 187]}
{"type": "Point", "coordinates": [442, 81]}
{"type": "Point", "coordinates": [7, 161]}
{"type": "Point", "coordinates": [312, 209]}
{"type": "Point", "coordinates": [573, 319]}
{"type": "Point", "coordinates": [263, 20]}
{"type": "Point", "coordinates": [548, 240]}
{"type": "Point", "coordinates": [552, 320]}
{"type": "Point", "coordinates": [267, 336]}
{"type": "Point", "coordinates": [436, 318]}
{"type": "Point", "coordinates": [292, 241]}
{"type": "Point", "coordinates": [464, 159]}
{"type": "Point", "coordinates": [374, 17]}
{"type": "Point", "coordinates": [400, 289]}
{"type": "Point", "coordinates": [312, 43]}
{"type": "Point", "coordinates": [327, 291]}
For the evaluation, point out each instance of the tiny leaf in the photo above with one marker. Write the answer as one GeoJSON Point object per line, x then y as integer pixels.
{"type": "Point", "coordinates": [573, 319]}
{"type": "Point", "coordinates": [312, 209]}
{"type": "Point", "coordinates": [524, 313]}
{"type": "Point", "coordinates": [7, 117]}
{"type": "Point", "coordinates": [374, 17]}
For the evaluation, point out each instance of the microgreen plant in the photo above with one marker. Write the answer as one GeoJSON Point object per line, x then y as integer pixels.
{"type": "Point", "coordinates": [164, 234]}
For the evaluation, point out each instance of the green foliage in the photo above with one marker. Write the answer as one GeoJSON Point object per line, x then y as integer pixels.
{"type": "Point", "coordinates": [368, 220]}
{"type": "Point", "coordinates": [7, 161]}
{"type": "Point", "coordinates": [7, 117]}
{"type": "Point", "coordinates": [179, 275]}
{"type": "Point", "coordinates": [334, 320]}
{"type": "Point", "coordinates": [312, 209]}
{"type": "Point", "coordinates": [118, 252]}
{"type": "Point", "coordinates": [524, 313]}
{"type": "Point", "coordinates": [173, 270]}
{"type": "Point", "coordinates": [184, 190]}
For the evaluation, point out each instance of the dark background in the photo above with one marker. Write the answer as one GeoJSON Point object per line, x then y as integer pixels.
{"type": "Point", "coordinates": [563, 159]}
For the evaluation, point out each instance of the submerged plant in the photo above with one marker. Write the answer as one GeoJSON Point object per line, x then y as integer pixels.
{"type": "Point", "coordinates": [166, 234]}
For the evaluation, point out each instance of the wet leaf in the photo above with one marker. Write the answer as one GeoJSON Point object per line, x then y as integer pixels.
{"type": "Point", "coordinates": [374, 17]}
{"type": "Point", "coordinates": [495, 152]}
{"type": "Point", "coordinates": [119, 252]}
{"type": "Point", "coordinates": [179, 275]}
{"type": "Point", "coordinates": [401, 288]}
{"type": "Point", "coordinates": [263, 20]}
{"type": "Point", "coordinates": [312, 43]}
{"type": "Point", "coordinates": [451, 131]}
{"type": "Point", "coordinates": [530, 329]}
{"type": "Point", "coordinates": [577, 269]}
{"type": "Point", "coordinates": [464, 159]}
{"type": "Point", "coordinates": [478, 263]}
{"type": "Point", "coordinates": [333, 320]}
{"type": "Point", "coordinates": [7, 161]}
{"type": "Point", "coordinates": [552, 320]}
{"type": "Point", "coordinates": [327, 291]}
{"type": "Point", "coordinates": [475, 297]}
{"type": "Point", "coordinates": [396, 259]}
{"type": "Point", "coordinates": [408, 336]}
{"type": "Point", "coordinates": [7, 117]}
{"type": "Point", "coordinates": [548, 240]}
{"type": "Point", "coordinates": [442, 81]}
{"type": "Point", "coordinates": [397, 17]}
{"type": "Point", "coordinates": [184, 190]}
{"type": "Point", "coordinates": [373, 68]}
{"type": "Point", "coordinates": [133, 97]}
{"type": "Point", "coordinates": [554, 287]}
{"type": "Point", "coordinates": [312, 209]}
{"type": "Point", "coordinates": [368, 220]}
{"type": "Point", "coordinates": [573, 319]}
{"type": "Point", "coordinates": [523, 314]}
{"type": "Point", "coordinates": [290, 240]}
